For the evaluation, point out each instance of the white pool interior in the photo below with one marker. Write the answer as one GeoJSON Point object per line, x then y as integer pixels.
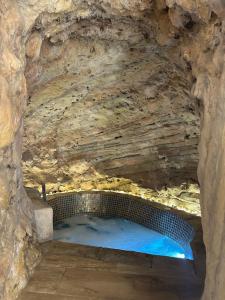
{"type": "Point", "coordinates": [117, 233]}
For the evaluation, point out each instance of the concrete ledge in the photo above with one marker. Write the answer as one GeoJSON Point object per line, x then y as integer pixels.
{"type": "Point", "coordinates": [43, 214]}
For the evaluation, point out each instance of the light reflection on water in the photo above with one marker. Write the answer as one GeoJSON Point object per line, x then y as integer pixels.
{"type": "Point", "coordinates": [117, 233]}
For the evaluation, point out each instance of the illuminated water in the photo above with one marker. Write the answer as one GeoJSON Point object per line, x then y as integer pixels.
{"type": "Point", "coordinates": [117, 234]}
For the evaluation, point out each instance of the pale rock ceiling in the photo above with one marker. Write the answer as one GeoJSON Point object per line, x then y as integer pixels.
{"type": "Point", "coordinates": [108, 101]}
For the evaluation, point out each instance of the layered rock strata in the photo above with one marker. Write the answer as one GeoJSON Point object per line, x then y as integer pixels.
{"type": "Point", "coordinates": [186, 35]}
{"type": "Point", "coordinates": [106, 100]}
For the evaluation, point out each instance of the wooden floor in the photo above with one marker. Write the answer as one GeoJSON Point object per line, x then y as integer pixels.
{"type": "Point", "coordinates": [69, 271]}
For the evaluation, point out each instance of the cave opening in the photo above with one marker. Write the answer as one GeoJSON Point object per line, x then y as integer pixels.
{"type": "Point", "coordinates": [111, 96]}
{"type": "Point", "coordinates": [110, 110]}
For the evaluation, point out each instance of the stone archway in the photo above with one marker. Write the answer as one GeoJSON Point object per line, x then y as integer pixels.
{"type": "Point", "coordinates": [203, 51]}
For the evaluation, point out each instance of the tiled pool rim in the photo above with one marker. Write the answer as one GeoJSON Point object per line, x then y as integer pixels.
{"type": "Point", "coordinates": [118, 205]}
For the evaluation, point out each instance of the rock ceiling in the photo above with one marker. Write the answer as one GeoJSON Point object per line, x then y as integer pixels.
{"type": "Point", "coordinates": [77, 56]}
{"type": "Point", "coordinates": [109, 99]}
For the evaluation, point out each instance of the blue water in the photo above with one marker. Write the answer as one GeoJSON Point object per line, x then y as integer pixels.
{"type": "Point", "coordinates": [117, 234]}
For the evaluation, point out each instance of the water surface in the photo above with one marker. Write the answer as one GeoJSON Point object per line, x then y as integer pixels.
{"type": "Point", "coordinates": [117, 233]}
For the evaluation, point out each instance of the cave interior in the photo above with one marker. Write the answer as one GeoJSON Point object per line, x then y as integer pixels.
{"type": "Point", "coordinates": [118, 98]}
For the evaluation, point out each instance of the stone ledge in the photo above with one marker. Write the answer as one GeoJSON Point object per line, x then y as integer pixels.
{"type": "Point", "coordinates": [43, 215]}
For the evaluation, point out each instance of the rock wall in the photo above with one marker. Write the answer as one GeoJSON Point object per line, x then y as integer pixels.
{"type": "Point", "coordinates": [18, 250]}
{"type": "Point", "coordinates": [206, 56]}
{"type": "Point", "coordinates": [18, 254]}
{"type": "Point", "coordinates": [210, 88]}
{"type": "Point", "coordinates": [192, 30]}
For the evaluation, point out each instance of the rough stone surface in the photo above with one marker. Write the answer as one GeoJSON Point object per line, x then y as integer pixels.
{"type": "Point", "coordinates": [174, 38]}
{"type": "Point", "coordinates": [211, 170]}
{"type": "Point", "coordinates": [106, 101]}
{"type": "Point", "coordinates": [19, 253]}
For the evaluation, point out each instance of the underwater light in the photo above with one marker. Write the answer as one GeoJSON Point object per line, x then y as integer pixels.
{"type": "Point", "coordinates": [117, 233]}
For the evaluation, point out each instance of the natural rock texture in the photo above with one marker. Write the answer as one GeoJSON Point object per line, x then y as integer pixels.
{"type": "Point", "coordinates": [18, 250]}
{"type": "Point", "coordinates": [174, 38]}
{"type": "Point", "coordinates": [210, 88]}
{"type": "Point", "coordinates": [185, 197]}
{"type": "Point", "coordinates": [106, 100]}
{"type": "Point", "coordinates": [207, 58]}
{"type": "Point", "coordinates": [18, 254]}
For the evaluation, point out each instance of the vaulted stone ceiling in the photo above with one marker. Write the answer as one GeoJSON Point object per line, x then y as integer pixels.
{"type": "Point", "coordinates": [108, 97]}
